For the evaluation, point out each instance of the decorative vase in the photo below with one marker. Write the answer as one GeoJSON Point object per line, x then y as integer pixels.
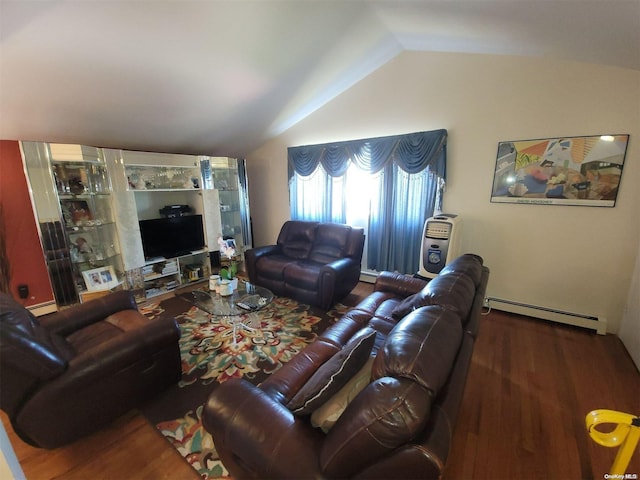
{"type": "Point", "coordinates": [214, 283]}
{"type": "Point", "coordinates": [234, 283]}
{"type": "Point", "coordinates": [225, 288]}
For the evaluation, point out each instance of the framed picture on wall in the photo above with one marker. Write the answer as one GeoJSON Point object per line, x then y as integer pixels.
{"type": "Point", "coordinates": [560, 171]}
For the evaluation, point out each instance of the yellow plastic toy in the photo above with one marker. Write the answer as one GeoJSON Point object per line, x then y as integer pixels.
{"type": "Point", "coordinates": [626, 435]}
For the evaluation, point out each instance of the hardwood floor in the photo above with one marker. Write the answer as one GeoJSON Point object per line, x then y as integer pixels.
{"type": "Point", "coordinates": [530, 385]}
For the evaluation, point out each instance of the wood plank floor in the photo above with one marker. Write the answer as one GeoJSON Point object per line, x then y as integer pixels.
{"type": "Point", "coordinates": [530, 385]}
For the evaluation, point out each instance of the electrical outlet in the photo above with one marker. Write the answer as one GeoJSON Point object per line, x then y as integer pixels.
{"type": "Point", "coordinates": [23, 291]}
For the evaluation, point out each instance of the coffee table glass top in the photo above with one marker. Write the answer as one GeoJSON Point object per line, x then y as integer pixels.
{"type": "Point", "coordinates": [246, 298]}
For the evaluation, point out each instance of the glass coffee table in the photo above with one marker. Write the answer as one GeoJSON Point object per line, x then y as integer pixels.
{"type": "Point", "coordinates": [237, 307]}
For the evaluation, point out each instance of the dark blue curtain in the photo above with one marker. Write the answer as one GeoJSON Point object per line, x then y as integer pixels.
{"type": "Point", "coordinates": [413, 153]}
{"type": "Point", "coordinates": [410, 170]}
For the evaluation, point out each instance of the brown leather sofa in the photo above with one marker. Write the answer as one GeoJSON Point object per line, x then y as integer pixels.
{"type": "Point", "coordinates": [72, 372]}
{"type": "Point", "coordinates": [315, 263]}
{"type": "Point", "coordinates": [399, 424]}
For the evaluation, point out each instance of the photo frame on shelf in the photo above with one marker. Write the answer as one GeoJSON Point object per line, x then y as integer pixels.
{"type": "Point", "coordinates": [230, 244]}
{"type": "Point", "coordinates": [103, 278]}
{"type": "Point", "coordinates": [582, 171]}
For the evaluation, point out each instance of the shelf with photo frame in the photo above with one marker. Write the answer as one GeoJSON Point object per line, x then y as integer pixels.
{"type": "Point", "coordinates": [229, 179]}
{"type": "Point", "coordinates": [78, 178]}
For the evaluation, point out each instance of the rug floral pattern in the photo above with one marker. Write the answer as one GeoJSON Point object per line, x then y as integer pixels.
{"type": "Point", "coordinates": [214, 350]}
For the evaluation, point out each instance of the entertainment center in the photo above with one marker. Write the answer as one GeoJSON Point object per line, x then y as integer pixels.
{"type": "Point", "coordinates": [153, 219]}
{"type": "Point", "coordinates": [174, 251]}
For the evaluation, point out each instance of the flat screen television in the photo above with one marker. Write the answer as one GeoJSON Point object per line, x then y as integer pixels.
{"type": "Point", "coordinates": [172, 237]}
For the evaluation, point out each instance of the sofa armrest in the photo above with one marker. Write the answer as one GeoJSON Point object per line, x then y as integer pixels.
{"type": "Point", "coordinates": [398, 284]}
{"type": "Point", "coordinates": [94, 369]}
{"type": "Point", "coordinates": [252, 255]}
{"type": "Point", "coordinates": [340, 267]}
{"type": "Point", "coordinates": [260, 433]}
{"type": "Point", "coordinates": [68, 321]}
{"type": "Point", "coordinates": [118, 353]}
{"type": "Point", "coordinates": [336, 280]}
{"type": "Point", "coordinates": [262, 251]}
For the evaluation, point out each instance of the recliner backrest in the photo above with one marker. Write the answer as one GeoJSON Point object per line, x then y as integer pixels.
{"type": "Point", "coordinates": [408, 373]}
{"type": "Point", "coordinates": [421, 347]}
{"type": "Point", "coordinates": [296, 238]}
{"type": "Point", "coordinates": [29, 353]}
{"type": "Point", "coordinates": [330, 243]}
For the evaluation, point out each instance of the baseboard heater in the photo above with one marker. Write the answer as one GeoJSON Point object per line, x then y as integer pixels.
{"type": "Point", "coordinates": [43, 308]}
{"type": "Point", "coordinates": [599, 324]}
{"type": "Point", "coordinates": [368, 276]}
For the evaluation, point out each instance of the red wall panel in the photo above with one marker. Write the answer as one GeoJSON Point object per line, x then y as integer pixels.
{"type": "Point", "coordinates": [26, 258]}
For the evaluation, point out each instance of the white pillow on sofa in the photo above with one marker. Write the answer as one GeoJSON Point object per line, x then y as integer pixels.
{"type": "Point", "coordinates": [328, 413]}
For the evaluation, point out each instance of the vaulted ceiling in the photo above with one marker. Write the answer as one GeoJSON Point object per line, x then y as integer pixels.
{"type": "Point", "coordinates": [221, 77]}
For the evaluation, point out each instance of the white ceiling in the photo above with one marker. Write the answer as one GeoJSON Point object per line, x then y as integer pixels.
{"type": "Point", "coordinates": [222, 77]}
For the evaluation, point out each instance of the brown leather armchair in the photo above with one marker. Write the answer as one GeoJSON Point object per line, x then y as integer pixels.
{"type": "Point", "coordinates": [71, 373]}
{"type": "Point", "coordinates": [315, 263]}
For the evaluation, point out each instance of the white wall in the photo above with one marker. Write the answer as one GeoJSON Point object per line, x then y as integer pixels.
{"type": "Point", "coordinates": [630, 325]}
{"type": "Point", "coordinates": [570, 258]}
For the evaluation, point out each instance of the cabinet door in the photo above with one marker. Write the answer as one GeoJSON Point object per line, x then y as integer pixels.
{"type": "Point", "coordinates": [72, 193]}
{"type": "Point", "coordinates": [229, 178]}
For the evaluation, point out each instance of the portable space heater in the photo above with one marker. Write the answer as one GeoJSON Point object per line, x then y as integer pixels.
{"type": "Point", "coordinates": [440, 244]}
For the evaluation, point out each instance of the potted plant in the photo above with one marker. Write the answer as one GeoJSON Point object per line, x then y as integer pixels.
{"type": "Point", "coordinates": [228, 249]}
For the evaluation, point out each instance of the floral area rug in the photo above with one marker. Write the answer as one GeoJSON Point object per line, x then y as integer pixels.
{"type": "Point", "coordinates": [210, 356]}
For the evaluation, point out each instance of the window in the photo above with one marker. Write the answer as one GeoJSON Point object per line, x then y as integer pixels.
{"type": "Point", "coordinates": [389, 185]}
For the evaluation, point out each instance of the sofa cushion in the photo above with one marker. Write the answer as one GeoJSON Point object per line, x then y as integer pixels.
{"type": "Point", "coordinates": [453, 290]}
{"type": "Point", "coordinates": [334, 373]}
{"type": "Point", "coordinates": [385, 415]}
{"type": "Point", "coordinates": [272, 266]}
{"type": "Point", "coordinates": [296, 238]}
{"type": "Point", "coordinates": [329, 412]}
{"type": "Point", "coordinates": [422, 347]}
{"type": "Point", "coordinates": [302, 274]}
{"type": "Point", "coordinates": [330, 243]}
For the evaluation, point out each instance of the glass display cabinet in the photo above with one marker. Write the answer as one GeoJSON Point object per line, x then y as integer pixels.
{"type": "Point", "coordinates": [90, 203]}
{"type": "Point", "coordinates": [71, 193]}
{"type": "Point", "coordinates": [228, 177]}
{"type": "Point", "coordinates": [161, 177]}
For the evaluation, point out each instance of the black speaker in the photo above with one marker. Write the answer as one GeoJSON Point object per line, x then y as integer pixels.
{"type": "Point", "coordinates": [214, 259]}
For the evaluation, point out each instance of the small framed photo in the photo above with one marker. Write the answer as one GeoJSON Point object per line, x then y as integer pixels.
{"type": "Point", "coordinates": [103, 278]}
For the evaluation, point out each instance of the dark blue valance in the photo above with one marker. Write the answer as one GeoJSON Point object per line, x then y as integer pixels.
{"type": "Point", "coordinates": [413, 152]}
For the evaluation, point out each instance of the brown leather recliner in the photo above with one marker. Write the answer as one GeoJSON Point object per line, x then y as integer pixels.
{"type": "Point", "coordinates": [315, 263]}
{"type": "Point", "coordinates": [70, 373]}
